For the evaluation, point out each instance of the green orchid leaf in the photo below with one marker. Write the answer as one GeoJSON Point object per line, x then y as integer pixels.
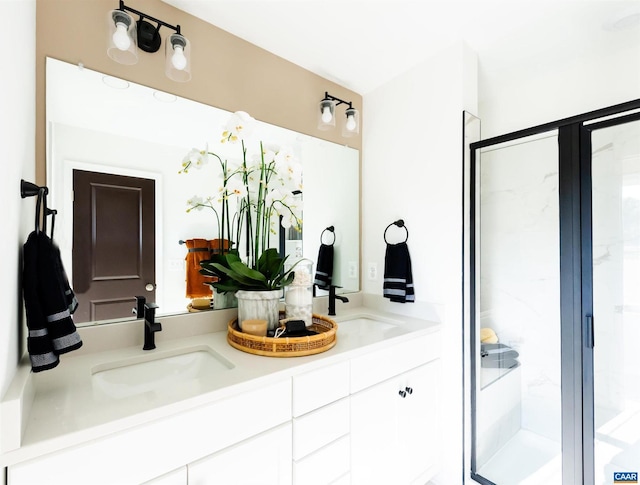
{"type": "Point", "coordinates": [247, 273]}
{"type": "Point", "coordinates": [228, 287]}
{"type": "Point", "coordinates": [239, 277]}
{"type": "Point", "coordinates": [270, 264]}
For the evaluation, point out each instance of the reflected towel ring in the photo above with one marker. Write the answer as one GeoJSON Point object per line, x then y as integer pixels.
{"type": "Point", "coordinates": [331, 229]}
{"type": "Point", "coordinates": [399, 223]}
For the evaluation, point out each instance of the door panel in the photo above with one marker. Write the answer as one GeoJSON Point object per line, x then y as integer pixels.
{"type": "Point", "coordinates": [113, 243]}
{"type": "Point", "coordinates": [518, 404]}
{"type": "Point", "coordinates": [616, 299]}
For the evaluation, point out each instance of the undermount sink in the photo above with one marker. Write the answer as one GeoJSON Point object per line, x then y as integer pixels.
{"type": "Point", "coordinates": [368, 328]}
{"type": "Point", "coordinates": [161, 372]}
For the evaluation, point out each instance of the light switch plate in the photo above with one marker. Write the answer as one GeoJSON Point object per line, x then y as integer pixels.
{"type": "Point", "coordinates": [353, 269]}
{"type": "Point", "coordinates": [372, 271]}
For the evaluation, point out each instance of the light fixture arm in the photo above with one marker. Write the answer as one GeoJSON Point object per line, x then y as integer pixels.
{"type": "Point", "coordinates": [328, 97]}
{"type": "Point", "coordinates": [144, 16]}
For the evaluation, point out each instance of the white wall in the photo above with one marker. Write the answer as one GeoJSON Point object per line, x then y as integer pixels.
{"type": "Point", "coordinates": [547, 91]}
{"type": "Point", "coordinates": [412, 169]}
{"type": "Point", "coordinates": [17, 134]}
{"type": "Point", "coordinates": [17, 119]}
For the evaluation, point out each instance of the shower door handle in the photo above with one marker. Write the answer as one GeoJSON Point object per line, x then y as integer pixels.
{"type": "Point", "coordinates": [589, 339]}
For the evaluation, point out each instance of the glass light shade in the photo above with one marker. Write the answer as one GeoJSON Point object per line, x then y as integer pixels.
{"type": "Point", "coordinates": [326, 114]}
{"type": "Point", "coordinates": [177, 65]}
{"type": "Point", "coordinates": [122, 41]}
{"type": "Point", "coordinates": [351, 126]}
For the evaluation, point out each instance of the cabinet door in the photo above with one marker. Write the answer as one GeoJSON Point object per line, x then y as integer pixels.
{"type": "Point", "coordinates": [374, 425]}
{"type": "Point", "coordinates": [263, 459]}
{"type": "Point", "coordinates": [394, 429]}
{"type": "Point", "coordinates": [418, 432]}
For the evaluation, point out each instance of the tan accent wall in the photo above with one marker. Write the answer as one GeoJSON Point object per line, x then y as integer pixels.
{"type": "Point", "coordinates": [227, 72]}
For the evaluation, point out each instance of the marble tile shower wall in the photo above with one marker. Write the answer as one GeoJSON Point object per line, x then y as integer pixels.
{"type": "Point", "coordinates": [520, 286]}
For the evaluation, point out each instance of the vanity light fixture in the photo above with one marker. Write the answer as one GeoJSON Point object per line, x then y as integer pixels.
{"type": "Point", "coordinates": [327, 116]}
{"type": "Point", "coordinates": [126, 35]}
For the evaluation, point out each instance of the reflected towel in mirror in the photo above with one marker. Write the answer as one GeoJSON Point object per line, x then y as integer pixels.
{"type": "Point", "coordinates": [324, 267]}
{"type": "Point", "coordinates": [198, 250]}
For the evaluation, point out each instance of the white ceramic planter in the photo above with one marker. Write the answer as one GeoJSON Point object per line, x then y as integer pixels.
{"type": "Point", "coordinates": [262, 305]}
{"type": "Point", "coordinates": [224, 300]}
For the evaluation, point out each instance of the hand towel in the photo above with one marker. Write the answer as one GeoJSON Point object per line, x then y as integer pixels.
{"type": "Point", "coordinates": [398, 278]}
{"type": "Point", "coordinates": [218, 246]}
{"type": "Point", "coordinates": [497, 352]}
{"type": "Point", "coordinates": [499, 364]}
{"type": "Point", "coordinates": [197, 250]}
{"type": "Point", "coordinates": [324, 267]}
{"type": "Point", "coordinates": [498, 356]}
{"type": "Point", "coordinates": [49, 303]}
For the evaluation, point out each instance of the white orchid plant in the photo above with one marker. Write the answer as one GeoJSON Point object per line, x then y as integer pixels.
{"type": "Point", "coordinates": [265, 189]}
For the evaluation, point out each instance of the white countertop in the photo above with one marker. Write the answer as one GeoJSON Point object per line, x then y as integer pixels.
{"type": "Point", "coordinates": [68, 409]}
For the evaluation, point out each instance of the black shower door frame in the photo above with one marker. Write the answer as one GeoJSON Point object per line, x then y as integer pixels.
{"type": "Point", "coordinates": [576, 281]}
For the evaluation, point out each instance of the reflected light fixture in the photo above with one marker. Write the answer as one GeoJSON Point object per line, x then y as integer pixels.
{"type": "Point", "coordinates": [126, 35]}
{"type": "Point", "coordinates": [327, 116]}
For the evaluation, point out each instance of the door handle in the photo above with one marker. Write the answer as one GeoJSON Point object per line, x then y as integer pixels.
{"type": "Point", "coordinates": [149, 287]}
{"type": "Point", "coordinates": [589, 339]}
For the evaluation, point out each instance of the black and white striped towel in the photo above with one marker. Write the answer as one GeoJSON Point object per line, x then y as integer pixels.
{"type": "Point", "coordinates": [398, 279]}
{"type": "Point", "coordinates": [49, 303]}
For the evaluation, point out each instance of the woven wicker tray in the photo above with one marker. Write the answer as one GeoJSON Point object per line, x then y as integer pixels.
{"type": "Point", "coordinates": [286, 346]}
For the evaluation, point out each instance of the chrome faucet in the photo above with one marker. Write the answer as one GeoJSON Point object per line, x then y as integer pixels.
{"type": "Point", "coordinates": [333, 297]}
{"type": "Point", "coordinates": [151, 326]}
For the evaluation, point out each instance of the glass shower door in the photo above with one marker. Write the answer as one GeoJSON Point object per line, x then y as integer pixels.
{"type": "Point", "coordinates": [518, 403]}
{"type": "Point", "coordinates": [616, 299]}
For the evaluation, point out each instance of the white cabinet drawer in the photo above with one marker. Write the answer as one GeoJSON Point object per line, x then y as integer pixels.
{"type": "Point", "coordinates": [319, 428]}
{"type": "Point", "coordinates": [374, 367]}
{"type": "Point", "coordinates": [176, 477]}
{"type": "Point", "coordinates": [166, 444]}
{"type": "Point", "coordinates": [263, 459]}
{"type": "Point", "coordinates": [325, 465]}
{"type": "Point", "coordinates": [316, 388]}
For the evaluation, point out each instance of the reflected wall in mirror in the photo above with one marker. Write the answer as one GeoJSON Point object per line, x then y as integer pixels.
{"type": "Point", "coordinates": [98, 124]}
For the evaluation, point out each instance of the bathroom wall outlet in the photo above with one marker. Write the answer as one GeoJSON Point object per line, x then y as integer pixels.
{"type": "Point", "coordinates": [176, 265]}
{"type": "Point", "coordinates": [353, 269]}
{"type": "Point", "coordinates": [372, 271]}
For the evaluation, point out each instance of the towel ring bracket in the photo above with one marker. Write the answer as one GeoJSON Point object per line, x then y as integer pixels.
{"type": "Point", "coordinates": [331, 229]}
{"type": "Point", "coordinates": [398, 223]}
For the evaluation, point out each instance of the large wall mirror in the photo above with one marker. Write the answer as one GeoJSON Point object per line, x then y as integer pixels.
{"type": "Point", "coordinates": [98, 124]}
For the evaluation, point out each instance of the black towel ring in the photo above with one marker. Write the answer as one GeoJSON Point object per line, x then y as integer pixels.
{"type": "Point", "coordinates": [399, 223]}
{"type": "Point", "coordinates": [28, 189]}
{"type": "Point", "coordinates": [331, 229]}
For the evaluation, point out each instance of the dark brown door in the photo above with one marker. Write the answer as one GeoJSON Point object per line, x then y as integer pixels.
{"type": "Point", "coordinates": [113, 244]}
